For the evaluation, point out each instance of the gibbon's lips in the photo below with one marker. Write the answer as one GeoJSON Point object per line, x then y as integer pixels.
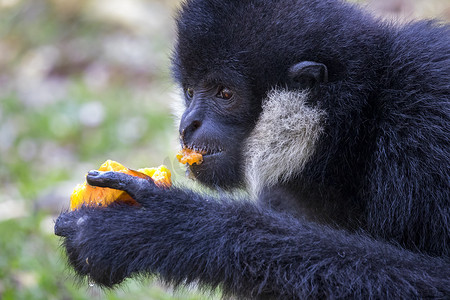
{"type": "Point", "coordinates": [195, 155]}
{"type": "Point", "coordinates": [204, 149]}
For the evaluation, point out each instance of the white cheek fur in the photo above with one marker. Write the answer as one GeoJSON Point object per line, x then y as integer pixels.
{"type": "Point", "coordinates": [283, 139]}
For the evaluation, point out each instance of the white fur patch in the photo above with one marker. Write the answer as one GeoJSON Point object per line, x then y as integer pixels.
{"type": "Point", "coordinates": [283, 139]}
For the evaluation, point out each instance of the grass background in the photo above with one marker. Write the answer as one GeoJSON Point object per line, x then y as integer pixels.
{"type": "Point", "coordinates": [82, 81]}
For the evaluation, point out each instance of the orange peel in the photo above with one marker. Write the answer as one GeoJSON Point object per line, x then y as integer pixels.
{"type": "Point", "coordinates": [99, 196]}
{"type": "Point", "coordinates": [189, 156]}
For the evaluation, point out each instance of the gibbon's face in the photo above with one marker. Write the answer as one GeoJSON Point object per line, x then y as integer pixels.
{"type": "Point", "coordinates": [218, 118]}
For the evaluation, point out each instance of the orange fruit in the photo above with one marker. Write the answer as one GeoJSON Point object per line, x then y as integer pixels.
{"type": "Point", "coordinates": [99, 196]}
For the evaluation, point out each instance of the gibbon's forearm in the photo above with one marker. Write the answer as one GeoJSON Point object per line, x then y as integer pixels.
{"type": "Point", "coordinates": [250, 251]}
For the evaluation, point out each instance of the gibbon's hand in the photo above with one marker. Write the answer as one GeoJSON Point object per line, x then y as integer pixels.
{"type": "Point", "coordinates": [94, 237]}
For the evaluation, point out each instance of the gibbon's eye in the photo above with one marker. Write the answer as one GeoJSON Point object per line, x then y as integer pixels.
{"type": "Point", "coordinates": [224, 93]}
{"type": "Point", "coordinates": [189, 92]}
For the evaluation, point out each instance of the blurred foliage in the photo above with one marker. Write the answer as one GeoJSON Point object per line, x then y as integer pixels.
{"type": "Point", "coordinates": [82, 81]}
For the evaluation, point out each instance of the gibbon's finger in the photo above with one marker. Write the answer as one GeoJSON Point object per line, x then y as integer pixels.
{"type": "Point", "coordinates": [116, 180]}
{"type": "Point", "coordinates": [65, 224]}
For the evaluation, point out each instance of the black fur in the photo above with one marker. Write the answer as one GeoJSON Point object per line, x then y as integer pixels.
{"type": "Point", "coordinates": [369, 215]}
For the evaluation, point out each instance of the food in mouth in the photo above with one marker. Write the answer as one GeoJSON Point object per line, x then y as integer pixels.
{"type": "Point", "coordinates": [189, 156]}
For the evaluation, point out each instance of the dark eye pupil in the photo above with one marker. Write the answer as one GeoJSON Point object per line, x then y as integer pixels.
{"type": "Point", "coordinates": [226, 94]}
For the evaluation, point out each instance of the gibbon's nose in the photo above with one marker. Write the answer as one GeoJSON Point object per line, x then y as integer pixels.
{"type": "Point", "coordinates": [187, 129]}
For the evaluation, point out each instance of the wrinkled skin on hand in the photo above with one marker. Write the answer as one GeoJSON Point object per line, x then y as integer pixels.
{"type": "Point", "coordinates": [93, 249]}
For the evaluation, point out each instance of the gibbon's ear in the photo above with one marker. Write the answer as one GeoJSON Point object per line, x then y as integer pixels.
{"type": "Point", "coordinates": [308, 74]}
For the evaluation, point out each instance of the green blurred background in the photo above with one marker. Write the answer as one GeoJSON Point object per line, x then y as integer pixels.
{"type": "Point", "coordinates": [82, 81]}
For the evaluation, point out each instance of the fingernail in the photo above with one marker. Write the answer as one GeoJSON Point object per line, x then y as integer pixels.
{"type": "Point", "coordinates": [93, 173]}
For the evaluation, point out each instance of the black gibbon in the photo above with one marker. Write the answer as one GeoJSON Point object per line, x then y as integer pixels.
{"type": "Point", "coordinates": [337, 124]}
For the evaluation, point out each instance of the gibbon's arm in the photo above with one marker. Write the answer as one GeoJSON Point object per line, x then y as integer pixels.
{"type": "Point", "coordinates": [247, 250]}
